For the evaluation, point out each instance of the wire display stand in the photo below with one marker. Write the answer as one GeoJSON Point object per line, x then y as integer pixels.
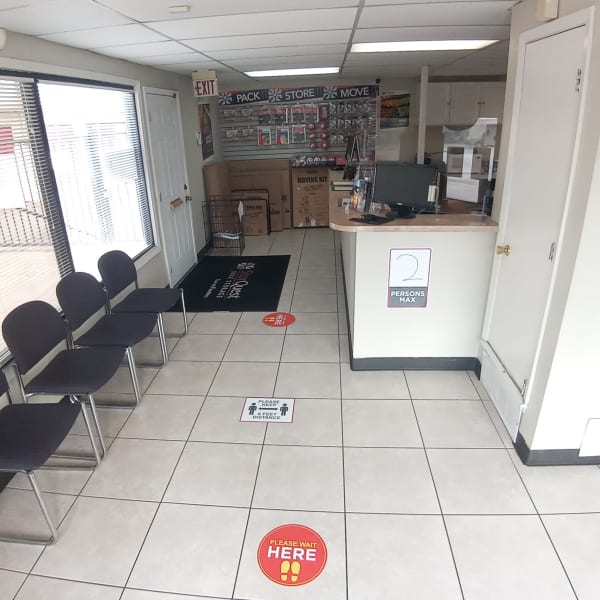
{"type": "Point", "coordinates": [225, 224]}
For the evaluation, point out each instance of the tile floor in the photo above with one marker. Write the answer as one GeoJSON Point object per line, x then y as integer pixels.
{"type": "Point", "coordinates": [409, 477]}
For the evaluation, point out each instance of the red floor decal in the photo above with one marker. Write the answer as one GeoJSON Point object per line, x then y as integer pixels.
{"type": "Point", "coordinates": [292, 555]}
{"type": "Point", "coordinates": [279, 319]}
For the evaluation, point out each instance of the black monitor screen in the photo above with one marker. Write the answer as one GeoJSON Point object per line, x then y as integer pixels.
{"type": "Point", "coordinates": [403, 183]}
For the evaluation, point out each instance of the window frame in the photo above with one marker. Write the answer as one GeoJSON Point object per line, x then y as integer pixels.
{"type": "Point", "coordinates": [82, 78]}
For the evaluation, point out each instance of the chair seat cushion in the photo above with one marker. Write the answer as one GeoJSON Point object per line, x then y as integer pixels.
{"type": "Point", "coordinates": [118, 330]}
{"type": "Point", "coordinates": [149, 300]}
{"type": "Point", "coordinates": [81, 371]}
{"type": "Point", "coordinates": [31, 433]}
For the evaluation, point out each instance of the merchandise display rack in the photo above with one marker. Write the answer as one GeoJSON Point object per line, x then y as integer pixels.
{"type": "Point", "coordinates": [225, 224]}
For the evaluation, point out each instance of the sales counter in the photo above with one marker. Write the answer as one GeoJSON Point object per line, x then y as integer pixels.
{"type": "Point", "coordinates": [416, 289]}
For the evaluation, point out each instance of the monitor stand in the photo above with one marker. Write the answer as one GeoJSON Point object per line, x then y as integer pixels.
{"type": "Point", "coordinates": [401, 211]}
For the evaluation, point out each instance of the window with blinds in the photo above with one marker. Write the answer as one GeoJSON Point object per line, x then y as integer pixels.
{"type": "Point", "coordinates": [72, 184]}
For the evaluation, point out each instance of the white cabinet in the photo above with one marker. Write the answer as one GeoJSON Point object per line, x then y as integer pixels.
{"type": "Point", "coordinates": [462, 103]}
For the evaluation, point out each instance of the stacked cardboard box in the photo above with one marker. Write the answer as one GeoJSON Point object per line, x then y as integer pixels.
{"type": "Point", "coordinates": [272, 175]}
{"type": "Point", "coordinates": [256, 211]}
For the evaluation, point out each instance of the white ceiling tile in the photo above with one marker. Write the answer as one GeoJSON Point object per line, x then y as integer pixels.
{"type": "Point", "coordinates": [106, 36]}
{"type": "Point", "coordinates": [187, 68]}
{"type": "Point", "coordinates": [444, 32]}
{"type": "Point", "coordinates": [285, 62]}
{"type": "Point", "coordinates": [54, 16]}
{"type": "Point", "coordinates": [172, 59]}
{"type": "Point", "coordinates": [268, 53]}
{"type": "Point", "coordinates": [404, 58]}
{"type": "Point", "coordinates": [144, 50]}
{"type": "Point", "coordinates": [486, 12]}
{"type": "Point", "coordinates": [265, 23]}
{"type": "Point", "coordinates": [302, 38]}
{"type": "Point", "coordinates": [156, 10]}
{"type": "Point", "coordinates": [389, 70]}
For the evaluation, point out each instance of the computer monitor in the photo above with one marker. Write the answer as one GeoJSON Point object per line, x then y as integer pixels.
{"type": "Point", "coordinates": [406, 187]}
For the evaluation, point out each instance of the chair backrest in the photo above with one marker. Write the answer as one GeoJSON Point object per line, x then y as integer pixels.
{"type": "Point", "coordinates": [31, 331]}
{"type": "Point", "coordinates": [80, 295]}
{"type": "Point", "coordinates": [117, 271]}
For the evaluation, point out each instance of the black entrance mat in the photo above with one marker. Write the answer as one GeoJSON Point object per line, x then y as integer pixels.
{"type": "Point", "coordinates": [235, 283]}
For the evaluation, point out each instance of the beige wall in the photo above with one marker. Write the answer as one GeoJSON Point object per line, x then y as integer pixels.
{"type": "Point", "coordinates": [24, 52]}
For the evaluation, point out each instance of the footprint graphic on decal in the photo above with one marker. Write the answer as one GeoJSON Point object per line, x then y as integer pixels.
{"type": "Point", "coordinates": [285, 569]}
{"type": "Point", "coordinates": [295, 571]}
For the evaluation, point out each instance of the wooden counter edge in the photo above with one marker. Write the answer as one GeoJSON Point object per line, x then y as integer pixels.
{"type": "Point", "coordinates": [339, 220]}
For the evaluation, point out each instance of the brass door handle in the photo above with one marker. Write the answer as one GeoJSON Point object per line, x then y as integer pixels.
{"type": "Point", "coordinates": [503, 249]}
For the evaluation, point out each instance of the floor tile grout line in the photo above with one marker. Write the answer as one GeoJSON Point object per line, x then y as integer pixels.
{"type": "Point", "coordinates": [436, 494]}
{"type": "Point", "coordinates": [160, 503]}
{"type": "Point", "coordinates": [541, 520]}
{"type": "Point", "coordinates": [237, 572]}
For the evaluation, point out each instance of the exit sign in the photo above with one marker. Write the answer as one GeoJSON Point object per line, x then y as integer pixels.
{"type": "Point", "coordinates": [205, 83]}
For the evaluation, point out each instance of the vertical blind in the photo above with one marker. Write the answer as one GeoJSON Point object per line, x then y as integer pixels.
{"type": "Point", "coordinates": [72, 184]}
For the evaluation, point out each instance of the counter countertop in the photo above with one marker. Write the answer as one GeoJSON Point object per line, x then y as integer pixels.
{"type": "Point", "coordinates": [339, 220]}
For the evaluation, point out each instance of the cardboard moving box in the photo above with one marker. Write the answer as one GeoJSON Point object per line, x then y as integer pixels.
{"type": "Point", "coordinates": [310, 199]}
{"type": "Point", "coordinates": [221, 178]}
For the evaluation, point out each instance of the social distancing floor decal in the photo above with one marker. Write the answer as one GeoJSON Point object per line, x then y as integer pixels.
{"type": "Point", "coordinates": [292, 555]}
{"type": "Point", "coordinates": [268, 410]}
{"type": "Point", "coordinates": [279, 319]}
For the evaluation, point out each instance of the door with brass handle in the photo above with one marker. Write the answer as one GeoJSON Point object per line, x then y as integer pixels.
{"type": "Point", "coordinates": [503, 249]}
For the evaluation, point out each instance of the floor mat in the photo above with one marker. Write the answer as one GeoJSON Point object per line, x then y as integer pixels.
{"type": "Point", "coordinates": [235, 283]}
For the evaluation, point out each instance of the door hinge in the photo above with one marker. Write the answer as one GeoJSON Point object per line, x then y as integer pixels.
{"type": "Point", "coordinates": [524, 388]}
{"type": "Point", "coordinates": [552, 251]}
{"type": "Point", "coordinates": [160, 196]}
{"type": "Point", "coordinates": [578, 80]}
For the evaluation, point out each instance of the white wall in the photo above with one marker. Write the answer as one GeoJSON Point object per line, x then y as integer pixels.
{"type": "Point", "coordinates": [450, 325]}
{"type": "Point", "coordinates": [24, 53]}
{"type": "Point", "coordinates": [559, 422]}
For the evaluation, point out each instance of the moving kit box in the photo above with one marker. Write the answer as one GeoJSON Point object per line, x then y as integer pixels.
{"type": "Point", "coordinates": [310, 200]}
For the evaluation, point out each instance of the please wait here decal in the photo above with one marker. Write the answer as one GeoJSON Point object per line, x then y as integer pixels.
{"type": "Point", "coordinates": [292, 555]}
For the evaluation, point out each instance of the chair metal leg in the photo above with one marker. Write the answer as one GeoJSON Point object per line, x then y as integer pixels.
{"type": "Point", "coordinates": [163, 341]}
{"type": "Point", "coordinates": [43, 507]}
{"type": "Point", "coordinates": [185, 323]}
{"type": "Point", "coordinates": [86, 420]}
{"type": "Point", "coordinates": [133, 373]}
{"type": "Point", "coordinates": [40, 500]}
{"type": "Point", "coordinates": [96, 422]}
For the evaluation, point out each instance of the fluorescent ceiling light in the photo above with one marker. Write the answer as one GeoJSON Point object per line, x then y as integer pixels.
{"type": "Point", "coordinates": [285, 72]}
{"type": "Point", "coordinates": [421, 45]}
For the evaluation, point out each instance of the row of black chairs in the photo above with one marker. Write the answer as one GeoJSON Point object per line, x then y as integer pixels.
{"type": "Point", "coordinates": [73, 356]}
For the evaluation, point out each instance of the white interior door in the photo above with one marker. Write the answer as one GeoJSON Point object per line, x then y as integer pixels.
{"type": "Point", "coordinates": [541, 154]}
{"type": "Point", "coordinates": [168, 163]}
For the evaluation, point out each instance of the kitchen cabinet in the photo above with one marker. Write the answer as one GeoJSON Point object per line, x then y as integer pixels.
{"type": "Point", "coordinates": [462, 103]}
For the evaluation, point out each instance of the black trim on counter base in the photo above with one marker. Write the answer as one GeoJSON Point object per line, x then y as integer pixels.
{"type": "Point", "coordinates": [548, 458]}
{"type": "Point", "coordinates": [416, 363]}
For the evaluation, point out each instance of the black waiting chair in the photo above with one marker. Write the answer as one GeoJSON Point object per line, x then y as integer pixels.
{"type": "Point", "coordinates": [85, 307]}
{"type": "Point", "coordinates": [37, 338]}
{"type": "Point", "coordinates": [29, 435]}
{"type": "Point", "coordinates": [120, 280]}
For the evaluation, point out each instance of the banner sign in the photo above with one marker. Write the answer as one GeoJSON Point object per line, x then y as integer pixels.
{"type": "Point", "coordinates": [318, 93]}
{"type": "Point", "coordinates": [408, 282]}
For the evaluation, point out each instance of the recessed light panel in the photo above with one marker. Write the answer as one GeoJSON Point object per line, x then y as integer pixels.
{"type": "Point", "coordinates": [421, 45]}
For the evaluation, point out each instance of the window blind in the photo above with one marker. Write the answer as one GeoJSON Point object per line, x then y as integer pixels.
{"type": "Point", "coordinates": [33, 249]}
